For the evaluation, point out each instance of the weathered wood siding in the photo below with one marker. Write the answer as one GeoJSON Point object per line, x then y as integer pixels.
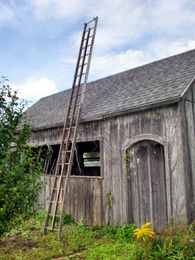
{"type": "Point", "coordinates": [188, 128]}
{"type": "Point", "coordinates": [116, 135]}
{"type": "Point", "coordinates": [84, 199]}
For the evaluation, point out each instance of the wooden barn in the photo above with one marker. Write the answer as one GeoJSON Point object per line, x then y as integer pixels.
{"type": "Point", "coordinates": [135, 153]}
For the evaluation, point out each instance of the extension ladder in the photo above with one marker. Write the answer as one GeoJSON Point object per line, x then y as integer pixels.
{"type": "Point", "coordinates": [56, 208]}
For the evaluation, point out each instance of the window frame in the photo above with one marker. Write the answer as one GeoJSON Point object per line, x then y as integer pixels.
{"type": "Point", "coordinates": [101, 159]}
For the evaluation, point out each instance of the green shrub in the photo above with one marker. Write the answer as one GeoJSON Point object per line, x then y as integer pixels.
{"type": "Point", "coordinates": [123, 233]}
{"type": "Point", "coordinates": [68, 219]}
{"type": "Point", "coordinates": [19, 168]}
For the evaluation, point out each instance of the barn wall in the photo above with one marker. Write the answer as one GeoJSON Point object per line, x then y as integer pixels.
{"type": "Point", "coordinates": [116, 134]}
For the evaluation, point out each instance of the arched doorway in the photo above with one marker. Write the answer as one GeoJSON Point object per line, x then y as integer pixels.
{"type": "Point", "coordinates": [147, 184]}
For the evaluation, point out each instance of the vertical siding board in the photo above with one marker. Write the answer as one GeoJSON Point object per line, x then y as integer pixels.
{"type": "Point", "coordinates": [107, 181]}
{"type": "Point", "coordinates": [124, 135]}
{"type": "Point", "coordinates": [115, 173]}
{"type": "Point", "coordinates": [135, 125]}
{"type": "Point", "coordinates": [145, 123]}
{"type": "Point", "coordinates": [190, 177]}
{"type": "Point", "coordinates": [120, 215]}
{"type": "Point", "coordinates": [134, 189]}
{"type": "Point", "coordinates": [157, 124]}
{"type": "Point", "coordinates": [192, 187]}
{"type": "Point", "coordinates": [144, 203]}
{"type": "Point", "coordinates": [158, 187]}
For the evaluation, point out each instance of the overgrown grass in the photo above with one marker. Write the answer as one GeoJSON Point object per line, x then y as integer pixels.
{"type": "Point", "coordinates": [26, 241]}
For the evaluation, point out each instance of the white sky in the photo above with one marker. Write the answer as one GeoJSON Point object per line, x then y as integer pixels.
{"type": "Point", "coordinates": [40, 38]}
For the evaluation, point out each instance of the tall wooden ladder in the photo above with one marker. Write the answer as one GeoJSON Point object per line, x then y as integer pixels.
{"type": "Point", "coordinates": [56, 208]}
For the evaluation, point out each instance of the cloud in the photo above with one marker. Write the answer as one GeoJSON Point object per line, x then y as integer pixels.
{"type": "Point", "coordinates": [160, 49]}
{"type": "Point", "coordinates": [113, 63]}
{"type": "Point", "coordinates": [121, 22]}
{"type": "Point", "coordinates": [6, 13]}
{"type": "Point", "coordinates": [34, 90]}
{"type": "Point", "coordinates": [57, 9]}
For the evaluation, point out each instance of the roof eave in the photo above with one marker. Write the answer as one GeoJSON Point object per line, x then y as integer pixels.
{"type": "Point", "coordinates": [119, 113]}
{"type": "Point", "coordinates": [134, 109]}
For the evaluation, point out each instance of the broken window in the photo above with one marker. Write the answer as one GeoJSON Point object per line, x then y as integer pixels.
{"type": "Point", "coordinates": [86, 161]}
{"type": "Point", "coordinates": [51, 161]}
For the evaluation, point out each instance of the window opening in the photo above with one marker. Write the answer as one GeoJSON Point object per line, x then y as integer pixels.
{"type": "Point", "coordinates": [86, 160]}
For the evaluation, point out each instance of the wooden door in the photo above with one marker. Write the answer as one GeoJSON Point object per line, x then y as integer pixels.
{"type": "Point", "coordinates": [147, 184]}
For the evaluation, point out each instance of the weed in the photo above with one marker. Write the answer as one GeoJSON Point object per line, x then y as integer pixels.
{"type": "Point", "coordinates": [144, 232]}
{"type": "Point", "coordinates": [26, 241]}
{"type": "Point", "coordinates": [68, 219]}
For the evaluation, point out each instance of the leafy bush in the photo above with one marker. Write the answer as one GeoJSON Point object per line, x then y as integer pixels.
{"type": "Point", "coordinates": [19, 168]}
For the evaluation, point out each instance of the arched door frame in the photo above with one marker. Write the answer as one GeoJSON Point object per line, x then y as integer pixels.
{"type": "Point", "coordinates": [133, 141]}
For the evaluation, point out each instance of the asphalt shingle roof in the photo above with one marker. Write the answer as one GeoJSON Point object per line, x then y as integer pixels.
{"type": "Point", "coordinates": [148, 85]}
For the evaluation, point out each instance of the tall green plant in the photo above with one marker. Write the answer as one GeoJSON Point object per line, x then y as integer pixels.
{"type": "Point", "coordinates": [19, 168]}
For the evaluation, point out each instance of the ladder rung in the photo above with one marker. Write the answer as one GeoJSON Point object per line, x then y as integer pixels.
{"type": "Point", "coordinates": [88, 38]}
{"type": "Point", "coordinates": [91, 28]}
{"type": "Point", "coordinates": [84, 55]}
{"type": "Point", "coordinates": [76, 95]}
{"type": "Point", "coordinates": [60, 164]}
{"type": "Point", "coordinates": [77, 105]}
{"type": "Point", "coordinates": [82, 65]}
{"type": "Point", "coordinates": [55, 229]}
{"type": "Point", "coordinates": [85, 47]}
{"type": "Point", "coordinates": [56, 216]}
{"type": "Point", "coordinates": [65, 141]}
{"type": "Point", "coordinates": [81, 74]}
{"type": "Point", "coordinates": [51, 229]}
{"type": "Point", "coordinates": [66, 163]}
{"type": "Point", "coordinates": [57, 189]}
{"type": "Point", "coordinates": [69, 127]}
{"type": "Point", "coordinates": [69, 117]}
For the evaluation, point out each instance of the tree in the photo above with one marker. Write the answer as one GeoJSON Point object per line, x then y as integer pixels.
{"type": "Point", "coordinates": [19, 167]}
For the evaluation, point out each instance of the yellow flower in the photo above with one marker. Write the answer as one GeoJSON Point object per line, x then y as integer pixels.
{"type": "Point", "coordinates": [144, 232]}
